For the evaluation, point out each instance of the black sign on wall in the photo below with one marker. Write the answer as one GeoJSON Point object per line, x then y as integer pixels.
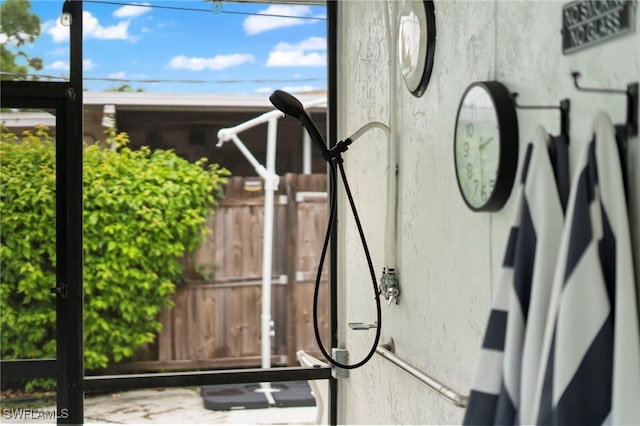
{"type": "Point", "coordinates": [587, 22]}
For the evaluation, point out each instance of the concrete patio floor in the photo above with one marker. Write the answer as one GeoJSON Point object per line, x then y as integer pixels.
{"type": "Point", "coordinates": [166, 406]}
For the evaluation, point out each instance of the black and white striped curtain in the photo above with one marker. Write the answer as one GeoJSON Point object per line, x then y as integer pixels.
{"type": "Point", "coordinates": [565, 349]}
{"type": "Point", "coordinates": [519, 309]}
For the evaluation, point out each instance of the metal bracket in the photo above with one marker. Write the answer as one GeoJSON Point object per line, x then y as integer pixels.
{"type": "Point", "coordinates": [361, 326]}
{"type": "Point", "coordinates": [632, 100]}
{"type": "Point", "coordinates": [389, 286]}
{"type": "Point", "coordinates": [71, 94]}
{"type": "Point", "coordinates": [216, 6]}
{"type": "Point", "coordinates": [60, 290]}
{"type": "Point", "coordinates": [271, 181]}
{"type": "Point", "coordinates": [342, 356]}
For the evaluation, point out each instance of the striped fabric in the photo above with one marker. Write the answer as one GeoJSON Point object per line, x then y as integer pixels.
{"type": "Point", "coordinates": [510, 351]}
{"type": "Point", "coordinates": [591, 348]}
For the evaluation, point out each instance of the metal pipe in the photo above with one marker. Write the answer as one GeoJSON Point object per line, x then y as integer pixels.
{"type": "Point", "coordinates": [306, 152]}
{"type": "Point", "coordinates": [442, 390]}
{"type": "Point", "coordinates": [392, 137]}
{"type": "Point", "coordinates": [270, 186]}
{"type": "Point", "coordinates": [226, 134]}
{"type": "Point", "coordinates": [262, 172]}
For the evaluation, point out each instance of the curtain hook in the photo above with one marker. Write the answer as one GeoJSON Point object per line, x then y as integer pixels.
{"type": "Point", "coordinates": [565, 106]}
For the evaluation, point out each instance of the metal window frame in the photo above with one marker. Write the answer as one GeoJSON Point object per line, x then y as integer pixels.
{"type": "Point", "coordinates": [68, 366]}
{"type": "Point", "coordinates": [332, 132]}
{"type": "Point", "coordinates": [62, 97]}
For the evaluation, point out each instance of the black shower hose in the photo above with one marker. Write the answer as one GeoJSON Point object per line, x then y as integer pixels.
{"type": "Point", "coordinates": [334, 163]}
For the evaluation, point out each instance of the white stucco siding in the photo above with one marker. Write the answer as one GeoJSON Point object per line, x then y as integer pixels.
{"type": "Point", "coordinates": [448, 256]}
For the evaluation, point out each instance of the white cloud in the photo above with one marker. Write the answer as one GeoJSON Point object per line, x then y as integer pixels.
{"type": "Point", "coordinates": [132, 10]}
{"type": "Point", "coordinates": [58, 32]}
{"type": "Point", "coordinates": [91, 28]}
{"type": "Point", "coordinates": [257, 24]}
{"type": "Point", "coordinates": [218, 62]}
{"type": "Point", "coordinates": [296, 59]}
{"type": "Point", "coordinates": [119, 75]}
{"type": "Point", "coordinates": [59, 65]}
{"type": "Point", "coordinates": [313, 43]}
{"type": "Point", "coordinates": [308, 53]}
{"type": "Point", "coordinates": [299, 89]}
{"type": "Point", "coordinates": [264, 90]}
{"type": "Point", "coordinates": [87, 65]}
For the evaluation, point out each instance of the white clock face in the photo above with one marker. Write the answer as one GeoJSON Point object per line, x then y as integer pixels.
{"type": "Point", "coordinates": [412, 43]}
{"type": "Point", "coordinates": [477, 146]}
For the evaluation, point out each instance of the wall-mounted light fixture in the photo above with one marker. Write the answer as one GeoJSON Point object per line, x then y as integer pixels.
{"type": "Point", "coordinates": [66, 18]}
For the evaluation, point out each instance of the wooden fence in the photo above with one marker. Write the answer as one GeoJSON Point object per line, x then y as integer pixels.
{"type": "Point", "coordinates": [216, 318]}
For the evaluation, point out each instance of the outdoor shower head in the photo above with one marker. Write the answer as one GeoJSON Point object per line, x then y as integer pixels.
{"type": "Point", "coordinates": [287, 103]}
{"type": "Point", "coordinates": [290, 105]}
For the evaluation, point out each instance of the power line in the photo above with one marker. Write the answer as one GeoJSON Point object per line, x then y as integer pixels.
{"type": "Point", "coordinates": [189, 81]}
{"type": "Point", "coordinates": [191, 9]}
{"type": "Point", "coordinates": [266, 80]}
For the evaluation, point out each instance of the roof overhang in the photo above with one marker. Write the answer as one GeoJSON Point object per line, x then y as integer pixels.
{"type": "Point", "coordinates": [148, 101]}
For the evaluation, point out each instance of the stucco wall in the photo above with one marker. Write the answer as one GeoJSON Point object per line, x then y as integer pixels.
{"type": "Point", "coordinates": [448, 256]}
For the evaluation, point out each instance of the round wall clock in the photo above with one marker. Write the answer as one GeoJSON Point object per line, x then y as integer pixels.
{"type": "Point", "coordinates": [486, 145]}
{"type": "Point", "coordinates": [417, 44]}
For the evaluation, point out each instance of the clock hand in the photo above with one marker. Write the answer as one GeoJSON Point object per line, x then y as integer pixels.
{"type": "Point", "coordinates": [482, 145]}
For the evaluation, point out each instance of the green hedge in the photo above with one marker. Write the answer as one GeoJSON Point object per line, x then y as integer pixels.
{"type": "Point", "coordinates": [143, 211]}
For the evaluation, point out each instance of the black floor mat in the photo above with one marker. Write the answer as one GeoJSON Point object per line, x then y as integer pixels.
{"type": "Point", "coordinates": [245, 396]}
{"type": "Point", "coordinates": [293, 394]}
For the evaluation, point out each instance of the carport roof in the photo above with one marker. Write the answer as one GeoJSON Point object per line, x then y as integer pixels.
{"type": "Point", "coordinates": [189, 101]}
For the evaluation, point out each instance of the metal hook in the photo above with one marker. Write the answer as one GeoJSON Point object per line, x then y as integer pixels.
{"type": "Point", "coordinates": [565, 105]}
{"type": "Point", "coordinates": [632, 101]}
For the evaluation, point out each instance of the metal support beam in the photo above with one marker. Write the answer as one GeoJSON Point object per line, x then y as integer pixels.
{"type": "Point", "coordinates": [69, 289]}
{"type": "Point", "coordinates": [49, 95]}
{"type": "Point", "coordinates": [28, 368]}
{"type": "Point", "coordinates": [332, 132]}
{"type": "Point", "coordinates": [199, 378]}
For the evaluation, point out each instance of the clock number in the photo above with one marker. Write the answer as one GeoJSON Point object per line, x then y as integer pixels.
{"type": "Point", "coordinates": [469, 128]}
{"type": "Point", "coordinates": [469, 171]}
{"type": "Point", "coordinates": [476, 187]}
{"type": "Point", "coordinates": [483, 193]}
{"type": "Point", "coordinates": [465, 147]}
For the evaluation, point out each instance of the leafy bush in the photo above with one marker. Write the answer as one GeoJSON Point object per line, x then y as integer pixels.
{"type": "Point", "coordinates": [143, 211]}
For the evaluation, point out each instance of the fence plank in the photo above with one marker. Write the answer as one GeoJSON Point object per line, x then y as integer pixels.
{"type": "Point", "coordinates": [312, 223]}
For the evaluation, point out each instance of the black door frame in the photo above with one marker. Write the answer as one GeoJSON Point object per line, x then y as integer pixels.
{"type": "Point", "coordinates": [68, 367]}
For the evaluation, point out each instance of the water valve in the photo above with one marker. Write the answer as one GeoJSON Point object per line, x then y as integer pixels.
{"type": "Point", "coordinates": [389, 286]}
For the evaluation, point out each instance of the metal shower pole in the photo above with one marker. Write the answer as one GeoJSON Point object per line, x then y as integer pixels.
{"type": "Point", "coordinates": [271, 180]}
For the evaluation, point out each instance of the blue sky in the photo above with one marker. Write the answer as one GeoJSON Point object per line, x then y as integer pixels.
{"type": "Point", "coordinates": [237, 50]}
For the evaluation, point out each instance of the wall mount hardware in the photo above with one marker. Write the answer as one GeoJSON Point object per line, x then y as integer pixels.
{"type": "Point", "coordinates": [564, 107]}
{"type": "Point", "coordinates": [632, 101]}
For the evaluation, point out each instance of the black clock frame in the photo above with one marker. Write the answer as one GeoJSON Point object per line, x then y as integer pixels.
{"type": "Point", "coordinates": [429, 10]}
{"type": "Point", "coordinates": [509, 143]}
